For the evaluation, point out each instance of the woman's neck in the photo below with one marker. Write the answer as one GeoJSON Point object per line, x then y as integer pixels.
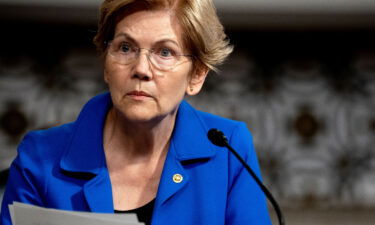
{"type": "Point", "coordinates": [137, 140]}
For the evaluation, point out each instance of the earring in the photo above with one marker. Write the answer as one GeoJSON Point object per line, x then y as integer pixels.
{"type": "Point", "coordinates": [191, 89]}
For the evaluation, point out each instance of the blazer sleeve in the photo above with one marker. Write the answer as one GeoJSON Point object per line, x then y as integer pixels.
{"type": "Point", "coordinates": [22, 185]}
{"type": "Point", "coordinates": [246, 203]}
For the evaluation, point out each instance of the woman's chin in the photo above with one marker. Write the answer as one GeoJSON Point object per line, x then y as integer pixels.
{"type": "Point", "coordinates": [142, 112]}
{"type": "Point", "coordinates": [137, 114]}
{"type": "Point", "coordinates": [141, 119]}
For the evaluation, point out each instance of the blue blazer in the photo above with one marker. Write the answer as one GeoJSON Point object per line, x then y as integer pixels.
{"type": "Point", "coordinates": [65, 168]}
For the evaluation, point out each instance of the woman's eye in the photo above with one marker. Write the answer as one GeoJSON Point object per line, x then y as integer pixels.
{"type": "Point", "coordinates": [165, 52]}
{"type": "Point", "coordinates": [125, 47]}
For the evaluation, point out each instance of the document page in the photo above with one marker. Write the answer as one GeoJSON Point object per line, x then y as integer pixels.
{"type": "Point", "coordinates": [24, 214]}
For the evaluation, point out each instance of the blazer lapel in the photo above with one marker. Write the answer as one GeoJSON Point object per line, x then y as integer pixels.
{"type": "Point", "coordinates": [173, 178]}
{"type": "Point", "coordinates": [85, 154]}
{"type": "Point", "coordinates": [98, 193]}
{"type": "Point", "coordinates": [189, 143]}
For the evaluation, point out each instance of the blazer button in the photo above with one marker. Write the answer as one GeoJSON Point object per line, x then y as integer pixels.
{"type": "Point", "coordinates": [177, 178]}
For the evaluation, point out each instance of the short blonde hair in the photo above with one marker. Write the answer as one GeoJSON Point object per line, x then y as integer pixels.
{"type": "Point", "coordinates": [204, 34]}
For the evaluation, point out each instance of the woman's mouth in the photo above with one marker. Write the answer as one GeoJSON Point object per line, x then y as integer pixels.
{"type": "Point", "coordinates": [138, 95]}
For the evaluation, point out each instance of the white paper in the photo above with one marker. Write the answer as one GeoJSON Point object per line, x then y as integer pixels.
{"type": "Point", "coordinates": [11, 212]}
{"type": "Point", "coordinates": [24, 214]}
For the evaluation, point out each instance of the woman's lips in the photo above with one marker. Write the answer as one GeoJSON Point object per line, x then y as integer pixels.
{"type": "Point", "coordinates": [138, 95]}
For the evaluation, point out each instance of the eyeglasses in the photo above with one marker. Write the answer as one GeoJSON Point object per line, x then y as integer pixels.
{"type": "Point", "coordinates": [162, 58]}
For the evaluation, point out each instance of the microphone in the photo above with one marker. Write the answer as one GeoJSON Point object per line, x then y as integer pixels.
{"type": "Point", "coordinates": [218, 138]}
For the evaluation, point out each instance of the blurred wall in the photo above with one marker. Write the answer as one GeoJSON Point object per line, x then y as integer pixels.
{"type": "Point", "coordinates": [302, 76]}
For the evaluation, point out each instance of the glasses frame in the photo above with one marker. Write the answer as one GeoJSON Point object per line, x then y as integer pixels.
{"type": "Point", "coordinates": [150, 60]}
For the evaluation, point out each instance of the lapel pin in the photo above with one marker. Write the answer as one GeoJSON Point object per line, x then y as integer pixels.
{"type": "Point", "coordinates": [177, 178]}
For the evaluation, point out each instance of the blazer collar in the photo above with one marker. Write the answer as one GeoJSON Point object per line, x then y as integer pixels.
{"type": "Point", "coordinates": [190, 135]}
{"type": "Point", "coordinates": [85, 152]}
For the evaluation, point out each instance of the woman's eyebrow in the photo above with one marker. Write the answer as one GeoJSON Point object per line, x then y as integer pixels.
{"type": "Point", "coordinates": [167, 40]}
{"type": "Point", "coordinates": [127, 36]}
{"type": "Point", "coordinates": [162, 41]}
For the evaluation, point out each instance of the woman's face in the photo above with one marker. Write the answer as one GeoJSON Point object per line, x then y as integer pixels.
{"type": "Point", "coordinates": [140, 90]}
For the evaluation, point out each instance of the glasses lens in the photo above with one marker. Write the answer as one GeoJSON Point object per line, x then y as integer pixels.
{"type": "Point", "coordinates": [123, 52]}
{"type": "Point", "coordinates": [163, 62]}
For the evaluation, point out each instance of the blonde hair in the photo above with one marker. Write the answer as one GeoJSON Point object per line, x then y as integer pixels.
{"type": "Point", "coordinates": [203, 33]}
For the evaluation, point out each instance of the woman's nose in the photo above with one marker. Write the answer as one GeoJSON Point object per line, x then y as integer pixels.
{"type": "Point", "coordinates": [142, 66]}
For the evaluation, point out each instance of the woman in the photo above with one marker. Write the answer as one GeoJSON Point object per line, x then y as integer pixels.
{"type": "Point", "coordinates": [141, 147]}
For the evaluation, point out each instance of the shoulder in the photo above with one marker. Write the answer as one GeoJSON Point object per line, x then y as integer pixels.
{"type": "Point", "coordinates": [208, 119]}
{"type": "Point", "coordinates": [237, 133]}
{"type": "Point", "coordinates": [53, 133]}
{"type": "Point", "coordinates": [231, 128]}
{"type": "Point", "coordinates": [52, 142]}
{"type": "Point", "coordinates": [41, 146]}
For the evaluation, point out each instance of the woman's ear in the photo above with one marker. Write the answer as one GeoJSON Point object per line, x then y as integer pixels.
{"type": "Point", "coordinates": [105, 72]}
{"type": "Point", "coordinates": [106, 78]}
{"type": "Point", "coordinates": [196, 80]}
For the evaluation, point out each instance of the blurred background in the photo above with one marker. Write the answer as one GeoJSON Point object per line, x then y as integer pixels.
{"type": "Point", "coordinates": [302, 76]}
